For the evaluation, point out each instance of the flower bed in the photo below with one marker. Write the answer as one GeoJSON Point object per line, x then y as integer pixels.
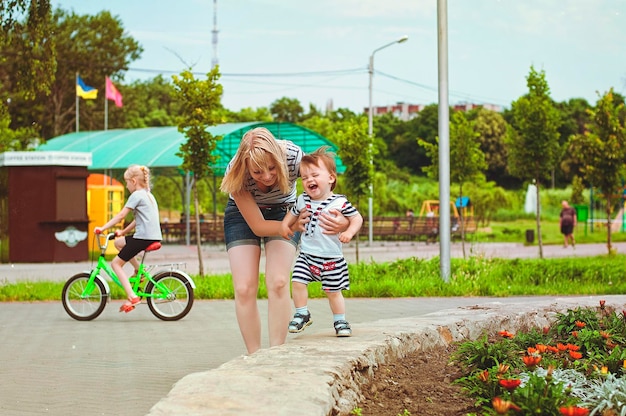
{"type": "Point", "coordinates": [574, 367]}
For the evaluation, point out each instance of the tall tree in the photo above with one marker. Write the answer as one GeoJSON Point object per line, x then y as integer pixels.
{"type": "Point", "coordinates": [467, 160]}
{"type": "Point", "coordinates": [601, 151]}
{"type": "Point", "coordinates": [491, 128]}
{"type": "Point", "coordinates": [94, 46]}
{"type": "Point", "coordinates": [201, 106]}
{"type": "Point", "coordinates": [356, 157]}
{"type": "Point", "coordinates": [27, 62]}
{"type": "Point", "coordinates": [533, 141]}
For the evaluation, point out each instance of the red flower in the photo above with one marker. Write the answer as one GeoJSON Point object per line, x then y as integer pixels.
{"type": "Point", "coordinates": [561, 347]}
{"type": "Point", "coordinates": [573, 411]}
{"type": "Point", "coordinates": [602, 302]}
{"type": "Point", "coordinates": [580, 324]}
{"type": "Point", "coordinates": [506, 334]}
{"type": "Point", "coordinates": [575, 334]}
{"type": "Point", "coordinates": [575, 355]}
{"type": "Point", "coordinates": [605, 334]}
{"type": "Point", "coordinates": [553, 350]}
{"type": "Point", "coordinates": [546, 330]}
{"type": "Point", "coordinates": [573, 347]}
{"type": "Point", "coordinates": [510, 384]}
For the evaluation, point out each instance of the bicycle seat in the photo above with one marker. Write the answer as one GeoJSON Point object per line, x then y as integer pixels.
{"type": "Point", "coordinates": [154, 246]}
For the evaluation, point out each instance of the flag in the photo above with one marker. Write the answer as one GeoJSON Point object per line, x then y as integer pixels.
{"type": "Point", "coordinates": [112, 93]}
{"type": "Point", "coordinates": [85, 91]}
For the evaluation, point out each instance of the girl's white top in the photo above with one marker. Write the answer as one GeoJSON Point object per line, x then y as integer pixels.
{"type": "Point", "coordinates": [146, 212]}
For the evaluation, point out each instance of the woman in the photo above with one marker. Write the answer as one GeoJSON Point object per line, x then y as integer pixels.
{"type": "Point", "coordinates": [261, 180]}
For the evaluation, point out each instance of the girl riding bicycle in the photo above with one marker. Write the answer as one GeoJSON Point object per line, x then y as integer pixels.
{"type": "Point", "coordinates": [148, 228]}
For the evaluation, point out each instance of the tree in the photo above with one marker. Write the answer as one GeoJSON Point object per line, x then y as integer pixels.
{"type": "Point", "coordinates": [200, 103]}
{"type": "Point", "coordinates": [601, 151]}
{"type": "Point", "coordinates": [287, 110]}
{"type": "Point", "coordinates": [28, 62]}
{"type": "Point", "coordinates": [492, 128]}
{"type": "Point", "coordinates": [467, 160]}
{"type": "Point", "coordinates": [356, 158]}
{"type": "Point", "coordinates": [94, 46]}
{"type": "Point", "coordinates": [533, 140]}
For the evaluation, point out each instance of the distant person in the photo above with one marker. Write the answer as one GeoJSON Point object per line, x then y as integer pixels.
{"type": "Point", "coordinates": [410, 216]}
{"type": "Point", "coordinates": [567, 222]}
{"type": "Point", "coordinates": [147, 227]}
{"type": "Point", "coordinates": [321, 256]}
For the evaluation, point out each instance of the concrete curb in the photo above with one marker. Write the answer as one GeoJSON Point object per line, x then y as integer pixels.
{"type": "Point", "coordinates": [335, 369]}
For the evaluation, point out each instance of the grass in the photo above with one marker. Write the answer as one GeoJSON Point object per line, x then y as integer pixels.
{"type": "Point", "coordinates": [413, 277]}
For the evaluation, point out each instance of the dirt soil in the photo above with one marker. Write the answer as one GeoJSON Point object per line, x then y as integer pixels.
{"type": "Point", "coordinates": [420, 384]}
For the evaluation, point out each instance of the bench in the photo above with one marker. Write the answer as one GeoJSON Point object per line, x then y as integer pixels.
{"type": "Point", "coordinates": [211, 231]}
{"type": "Point", "coordinates": [415, 229]}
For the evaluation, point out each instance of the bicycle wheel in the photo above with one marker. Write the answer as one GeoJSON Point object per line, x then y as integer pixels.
{"type": "Point", "coordinates": [172, 298]}
{"type": "Point", "coordinates": [79, 307]}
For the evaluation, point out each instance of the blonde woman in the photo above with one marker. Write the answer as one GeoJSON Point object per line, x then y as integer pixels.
{"type": "Point", "coordinates": [261, 183]}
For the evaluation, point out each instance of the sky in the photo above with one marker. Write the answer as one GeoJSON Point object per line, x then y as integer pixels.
{"type": "Point", "coordinates": [318, 51]}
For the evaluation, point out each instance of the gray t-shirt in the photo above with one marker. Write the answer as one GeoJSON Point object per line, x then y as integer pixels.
{"type": "Point", "coordinates": [146, 212]}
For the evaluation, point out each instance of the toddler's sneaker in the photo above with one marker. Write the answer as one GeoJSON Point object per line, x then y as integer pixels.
{"type": "Point", "coordinates": [342, 329]}
{"type": "Point", "coordinates": [300, 322]}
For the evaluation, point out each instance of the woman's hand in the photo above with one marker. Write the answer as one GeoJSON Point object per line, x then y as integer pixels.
{"type": "Point", "coordinates": [333, 222]}
{"type": "Point", "coordinates": [302, 221]}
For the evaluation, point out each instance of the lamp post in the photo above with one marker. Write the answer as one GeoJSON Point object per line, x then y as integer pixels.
{"type": "Point", "coordinates": [370, 205]}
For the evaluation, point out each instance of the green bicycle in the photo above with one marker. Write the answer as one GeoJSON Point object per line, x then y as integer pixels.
{"type": "Point", "coordinates": [168, 293]}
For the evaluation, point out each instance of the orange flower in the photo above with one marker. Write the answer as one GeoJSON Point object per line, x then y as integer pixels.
{"type": "Point", "coordinates": [605, 334]}
{"type": "Point", "coordinates": [506, 334]}
{"type": "Point", "coordinates": [575, 334]}
{"type": "Point", "coordinates": [510, 384]}
{"type": "Point", "coordinates": [552, 349]}
{"type": "Point", "coordinates": [531, 360]}
{"type": "Point", "coordinates": [541, 348]}
{"type": "Point", "coordinates": [484, 376]}
{"type": "Point", "coordinates": [575, 355]}
{"type": "Point", "coordinates": [580, 324]}
{"type": "Point", "coordinates": [561, 347]}
{"type": "Point", "coordinates": [531, 350]}
{"type": "Point", "coordinates": [503, 406]}
{"type": "Point", "coordinates": [503, 368]}
{"type": "Point", "coordinates": [573, 411]}
{"type": "Point", "coordinates": [573, 347]}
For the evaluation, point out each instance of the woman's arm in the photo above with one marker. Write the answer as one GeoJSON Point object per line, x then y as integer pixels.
{"type": "Point", "coordinates": [252, 214]}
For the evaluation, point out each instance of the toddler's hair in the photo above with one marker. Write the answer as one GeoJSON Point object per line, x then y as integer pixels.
{"type": "Point", "coordinates": [260, 148]}
{"type": "Point", "coordinates": [142, 173]}
{"type": "Point", "coordinates": [324, 156]}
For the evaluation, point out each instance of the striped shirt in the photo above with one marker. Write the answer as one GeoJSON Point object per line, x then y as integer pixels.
{"type": "Point", "coordinates": [274, 196]}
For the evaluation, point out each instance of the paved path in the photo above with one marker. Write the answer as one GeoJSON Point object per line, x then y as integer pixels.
{"type": "Point", "coordinates": [122, 364]}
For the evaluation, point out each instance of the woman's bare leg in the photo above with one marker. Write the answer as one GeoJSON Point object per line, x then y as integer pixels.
{"type": "Point", "coordinates": [244, 266]}
{"type": "Point", "coordinates": [280, 256]}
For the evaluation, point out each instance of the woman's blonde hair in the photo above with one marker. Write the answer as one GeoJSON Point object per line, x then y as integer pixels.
{"type": "Point", "coordinates": [142, 173]}
{"type": "Point", "coordinates": [259, 148]}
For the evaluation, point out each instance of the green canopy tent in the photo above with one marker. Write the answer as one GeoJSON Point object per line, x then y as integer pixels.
{"type": "Point", "coordinates": [156, 147]}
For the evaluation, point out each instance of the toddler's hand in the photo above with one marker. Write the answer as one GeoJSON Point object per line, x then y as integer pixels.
{"type": "Point", "coordinates": [98, 230]}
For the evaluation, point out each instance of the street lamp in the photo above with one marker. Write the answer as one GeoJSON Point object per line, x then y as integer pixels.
{"type": "Point", "coordinates": [370, 206]}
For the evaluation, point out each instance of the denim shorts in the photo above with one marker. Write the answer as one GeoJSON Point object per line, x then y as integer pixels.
{"type": "Point", "coordinates": [238, 233]}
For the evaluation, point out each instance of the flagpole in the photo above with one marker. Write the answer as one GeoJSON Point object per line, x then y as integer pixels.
{"type": "Point", "coordinates": [77, 104]}
{"type": "Point", "coordinates": [106, 106]}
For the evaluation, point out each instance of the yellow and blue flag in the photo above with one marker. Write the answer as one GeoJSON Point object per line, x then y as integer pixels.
{"type": "Point", "coordinates": [85, 91]}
